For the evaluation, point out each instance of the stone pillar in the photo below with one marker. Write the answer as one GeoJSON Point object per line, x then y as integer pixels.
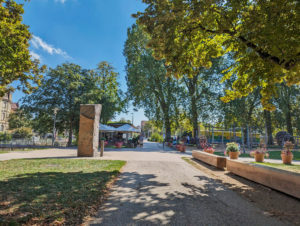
{"type": "Point", "coordinates": [88, 138]}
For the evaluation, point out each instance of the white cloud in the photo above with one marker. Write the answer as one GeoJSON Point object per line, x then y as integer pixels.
{"type": "Point", "coordinates": [37, 43]}
{"type": "Point", "coordinates": [35, 55]}
{"type": "Point", "coordinates": [61, 1]}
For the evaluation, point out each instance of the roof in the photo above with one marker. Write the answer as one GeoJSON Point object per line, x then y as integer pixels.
{"type": "Point", "coordinates": [128, 128]}
{"type": "Point", "coordinates": [124, 128]}
{"type": "Point", "coordinates": [14, 106]}
{"type": "Point", "coordinates": [106, 128]}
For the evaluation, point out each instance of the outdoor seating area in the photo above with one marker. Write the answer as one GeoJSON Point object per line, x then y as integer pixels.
{"type": "Point", "coordinates": [118, 136]}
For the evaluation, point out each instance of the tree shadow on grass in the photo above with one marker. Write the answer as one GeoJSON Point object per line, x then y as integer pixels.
{"type": "Point", "coordinates": [53, 197]}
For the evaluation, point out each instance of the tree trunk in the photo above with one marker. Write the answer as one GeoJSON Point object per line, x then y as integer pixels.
{"type": "Point", "coordinates": [268, 123]}
{"type": "Point", "coordinates": [70, 133]}
{"type": "Point", "coordinates": [194, 118]}
{"type": "Point", "coordinates": [288, 119]}
{"type": "Point", "coordinates": [168, 128]}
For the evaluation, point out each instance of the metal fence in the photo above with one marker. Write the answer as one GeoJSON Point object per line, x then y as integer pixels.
{"type": "Point", "coordinates": [33, 142]}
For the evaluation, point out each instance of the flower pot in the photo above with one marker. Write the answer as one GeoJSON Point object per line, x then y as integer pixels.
{"type": "Point", "coordinates": [287, 159]}
{"type": "Point", "coordinates": [182, 148]}
{"type": "Point", "coordinates": [259, 157]}
{"type": "Point", "coordinates": [234, 155]}
{"type": "Point", "coordinates": [119, 145]}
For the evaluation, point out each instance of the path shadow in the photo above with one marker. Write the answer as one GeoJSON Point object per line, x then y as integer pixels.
{"type": "Point", "coordinates": [140, 199]}
{"type": "Point", "coordinates": [46, 198]}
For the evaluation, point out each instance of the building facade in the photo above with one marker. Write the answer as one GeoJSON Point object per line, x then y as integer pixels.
{"type": "Point", "coordinates": [5, 109]}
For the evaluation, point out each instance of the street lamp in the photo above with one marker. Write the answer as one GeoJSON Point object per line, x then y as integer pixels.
{"type": "Point", "coordinates": [55, 110]}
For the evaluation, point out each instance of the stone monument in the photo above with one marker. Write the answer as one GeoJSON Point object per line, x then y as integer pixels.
{"type": "Point", "coordinates": [88, 138]}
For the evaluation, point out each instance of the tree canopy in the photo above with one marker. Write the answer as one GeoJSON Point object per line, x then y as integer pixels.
{"type": "Point", "coordinates": [66, 87]}
{"type": "Point", "coordinates": [15, 59]}
{"type": "Point", "coordinates": [263, 37]}
{"type": "Point", "coordinates": [147, 83]}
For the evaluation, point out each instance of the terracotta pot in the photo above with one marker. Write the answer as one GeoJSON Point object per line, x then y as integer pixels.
{"type": "Point", "coordinates": [259, 157]}
{"type": "Point", "coordinates": [119, 145]}
{"type": "Point", "coordinates": [234, 155]}
{"type": "Point", "coordinates": [287, 159]}
{"type": "Point", "coordinates": [182, 148]}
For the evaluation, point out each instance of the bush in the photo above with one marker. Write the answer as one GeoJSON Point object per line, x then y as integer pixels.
{"type": "Point", "coordinates": [232, 147]}
{"type": "Point", "coordinates": [156, 137]}
{"type": "Point", "coordinates": [5, 136]}
{"type": "Point", "coordinates": [23, 132]}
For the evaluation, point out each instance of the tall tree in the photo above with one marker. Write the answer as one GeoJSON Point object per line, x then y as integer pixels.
{"type": "Point", "coordinates": [287, 101]}
{"type": "Point", "coordinates": [66, 87]}
{"type": "Point", "coordinates": [268, 125]}
{"type": "Point", "coordinates": [15, 60]}
{"type": "Point", "coordinates": [148, 85]}
{"type": "Point", "coordinates": [263, 35]}
{"type": "Point", "coordinates": [200, 93]}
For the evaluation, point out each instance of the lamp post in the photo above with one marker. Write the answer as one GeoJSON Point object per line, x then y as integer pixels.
{"type": "Point", "coordinates": [132, 118]}
{"type": "Point", "coordinates": [55, 110]}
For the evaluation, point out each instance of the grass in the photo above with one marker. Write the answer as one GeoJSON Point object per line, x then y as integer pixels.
{"type": "Point", "coordinates": [273, 155]}
{"type": "Point", "coordinates": [293, 168]}
{"type": "Point", "coordinates": [53, 191]}
{"type": "Point", "coordinates": [20, 149]}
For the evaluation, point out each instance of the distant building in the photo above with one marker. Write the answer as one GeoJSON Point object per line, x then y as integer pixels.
{"type": "Point", "coordinates": [6, 107]}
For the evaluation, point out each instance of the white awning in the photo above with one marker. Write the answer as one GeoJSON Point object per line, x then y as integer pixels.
{"type": "Point", "coordinates": [106, 128]}
{"type": "Point", "coordinates": [128, 128]}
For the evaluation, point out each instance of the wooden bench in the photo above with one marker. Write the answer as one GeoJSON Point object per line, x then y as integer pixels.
{"type": "Point", "coordinates": [281, 180]}
{"type": "Point", "coordinates": [211, 159]}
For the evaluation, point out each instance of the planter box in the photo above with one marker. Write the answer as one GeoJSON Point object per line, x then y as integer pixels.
{"type": "Point", "coordinates": [211, 159]}
{"type": "Point", "coordinates": [281, 180]}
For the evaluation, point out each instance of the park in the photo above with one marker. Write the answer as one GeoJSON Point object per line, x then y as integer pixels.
{"type": "Point", "coordinates": [150, 112]}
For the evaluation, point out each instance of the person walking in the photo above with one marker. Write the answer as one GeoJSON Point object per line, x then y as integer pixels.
{"type": "Point", "coordinates": [141, 140]}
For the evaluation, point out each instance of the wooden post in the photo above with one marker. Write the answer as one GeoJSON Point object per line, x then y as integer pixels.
{"type": "Point", "coordinates": [102, 148]}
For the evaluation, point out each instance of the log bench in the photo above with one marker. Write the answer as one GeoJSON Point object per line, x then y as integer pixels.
{"type": "Point", "coordinates": [211, 159]}
{"type": "Point", "coordinates": [281, 180]}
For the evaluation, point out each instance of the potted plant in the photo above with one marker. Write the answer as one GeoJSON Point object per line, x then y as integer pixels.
{"type": "Point", "coordinates": [260, 153]}
{"type": "Point", "coordinates": [119, 144]}
{"type": "Point", "coordinates": [233, 150]}
{"type": "Point", "coordinates": [286, 154]}
{"type": "Point", "coordinates": [209, 150]}
{"type": "Point", "coordinates": [182, 148]}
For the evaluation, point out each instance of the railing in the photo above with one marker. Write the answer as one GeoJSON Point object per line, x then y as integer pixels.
{"type": "Point", "coordinates": [33, 143]}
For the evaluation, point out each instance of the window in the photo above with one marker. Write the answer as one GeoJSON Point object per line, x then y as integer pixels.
{"type": "Point", "coordinates": [3, 116]}
{"type": "Point", "coordinates": [1, 128]}
{"type": "Point", "coordinates": [5, 104]}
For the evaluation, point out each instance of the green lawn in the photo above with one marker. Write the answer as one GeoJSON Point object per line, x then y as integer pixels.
{"type": "Point", "coordinates": [20, 149]}
{"type": "Point", "coordinates": [293, 168]}
{"type": "Point", "coordinates": [273, 155]}
{"type": "Point", "coordinates": [53, 191]}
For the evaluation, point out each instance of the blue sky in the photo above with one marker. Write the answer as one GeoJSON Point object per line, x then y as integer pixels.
{"type": "Point", "coordinates": [84, 32]}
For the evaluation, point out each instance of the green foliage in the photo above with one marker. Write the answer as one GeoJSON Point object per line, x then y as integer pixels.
{"type": "Point", "coordinates": [15, 60]}
{"type": "Point", "coordinates": [4, 136]}
{"type": "Point", "coordinates": [263, 37]}
{"type": "Point", "coordinates": [18, 119]}
{"type": "Point", "coordinates": [232, 147]}
{"type": "Point", "coordinates": [156, 137]}
{"type": "Point", "coordinates": [66, 87]}
{"type": "Point", "coordinates": [148, 86]}
{"type": "Point", "coordinates": [22, 132]}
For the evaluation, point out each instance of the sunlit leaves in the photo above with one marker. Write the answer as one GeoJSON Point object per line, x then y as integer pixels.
{"type": "Point", "coordinates": [15, 60]}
